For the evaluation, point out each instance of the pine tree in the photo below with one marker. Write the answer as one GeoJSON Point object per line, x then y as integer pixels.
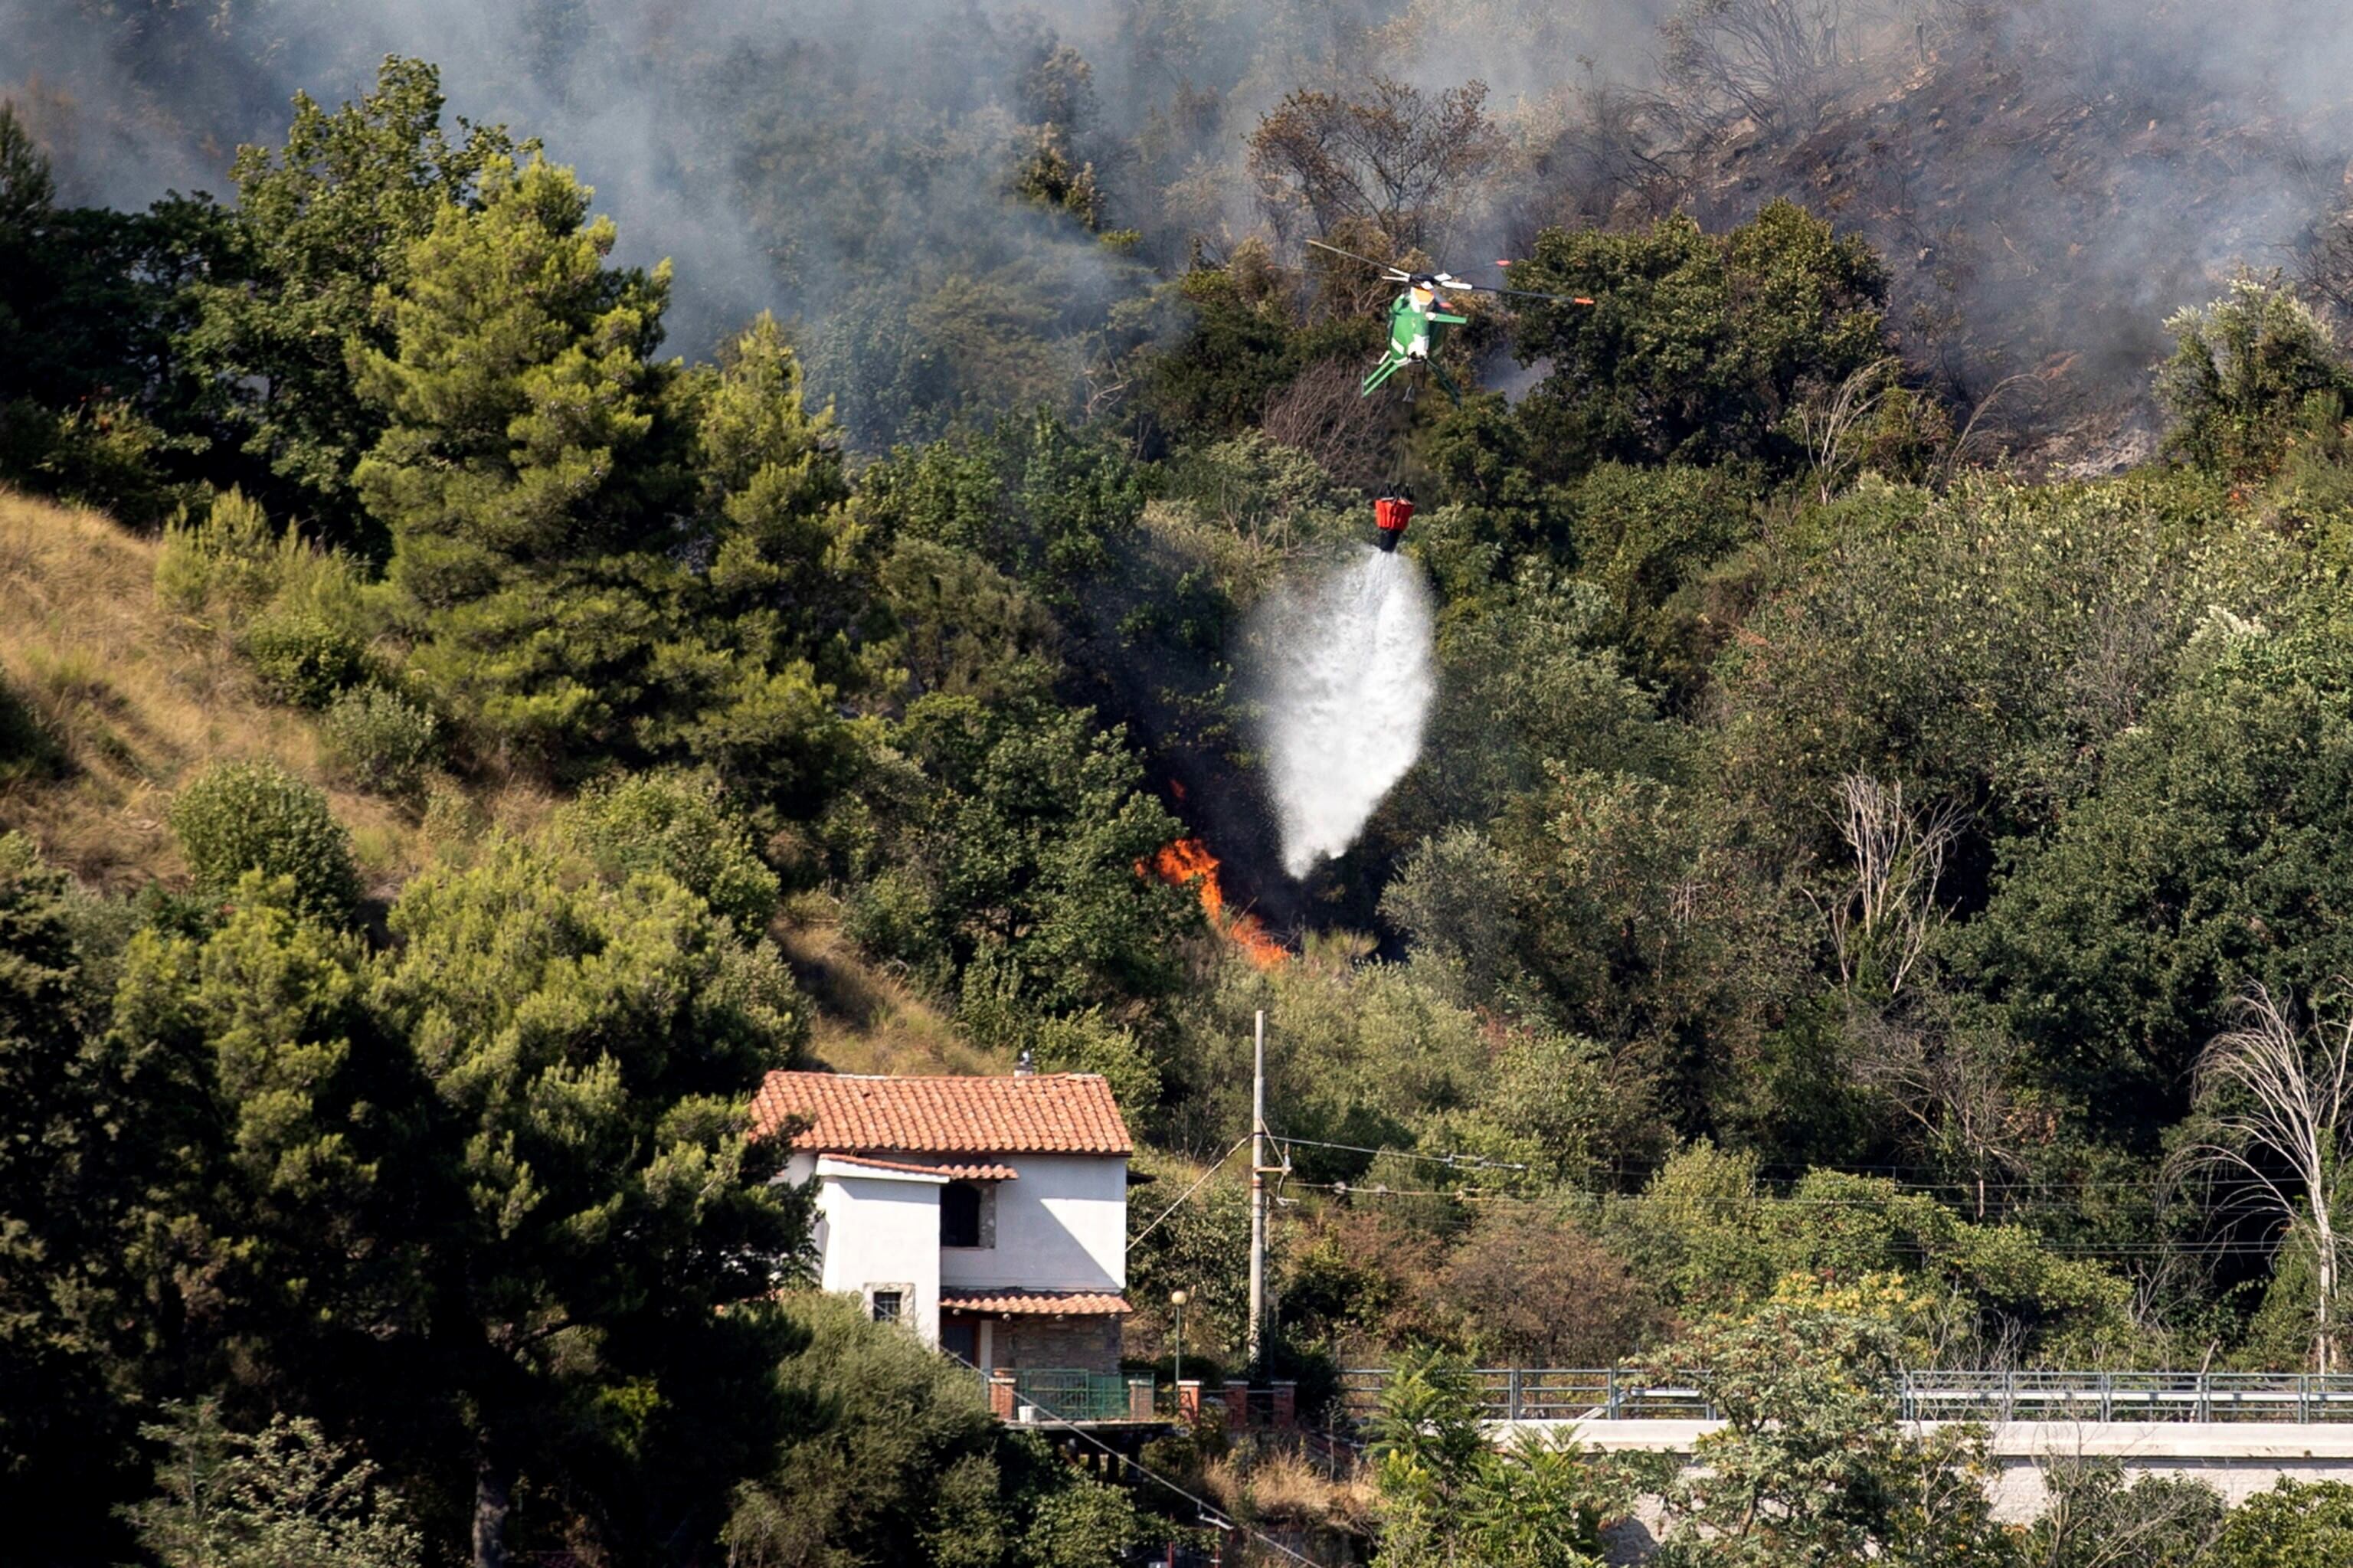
{"type": "Point", "coordinates": [63, 1418]}
{"type": "Point", "coordinates": [321, 225]}
{"type": "Point", "coordinates": [767, 631]}
{"type": "Point", "coordinates": [530, 464]}
{"type": "Point", "coordinates": [606, 1241]}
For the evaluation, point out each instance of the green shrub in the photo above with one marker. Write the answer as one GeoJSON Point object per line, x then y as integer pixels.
{"type": "Point", "coordinates": [2297, 1525]}
{"type": "Point", "coordinates": [1090, 1042]}
{"type": "Point", "coordinates": [452, 821]}
{"type": "Point", "coordinates": [386, 742]}
{"type": "Point", "coordinates": [254, 816]}
{"type": "Point", "coordinates": [100, 454]}
{"type": "Point", "coordinates": [230, 555]}
{"type": "Point", "coordinates": [2242, 369]}
{"type": "Point", "coordinates": [285, 1494]}
{"type": "Point", "coordinates": [303, 657]}
{"type": "Point", "coordinates": [679, 824]}
{"type": "Point", "coordinates": [896, 920]}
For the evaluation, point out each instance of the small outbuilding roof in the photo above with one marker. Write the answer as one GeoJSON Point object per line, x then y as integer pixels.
{"type": "Point", "coordinates": [1040, 1113]}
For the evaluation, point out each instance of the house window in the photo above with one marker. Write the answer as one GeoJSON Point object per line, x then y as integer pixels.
{"type": "Point", "coordinates": [964, 1214]}
{"type": "Point", "coordinates": [886, 1305]}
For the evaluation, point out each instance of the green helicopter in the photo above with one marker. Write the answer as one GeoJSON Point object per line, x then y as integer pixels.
{"type": "Point", "coordinates": [1419, 318]}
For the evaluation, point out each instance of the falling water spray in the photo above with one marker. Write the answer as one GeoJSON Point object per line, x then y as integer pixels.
{"type": "Point", "coordinates": [1343, 685]}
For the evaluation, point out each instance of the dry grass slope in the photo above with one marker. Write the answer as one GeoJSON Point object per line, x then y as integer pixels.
{"type": "Point", "coordinates": [867, 1020]}
{"type": "Point", "coordinates": [134, 701]}
{"type": "Point", "coordinates": [131, 700]}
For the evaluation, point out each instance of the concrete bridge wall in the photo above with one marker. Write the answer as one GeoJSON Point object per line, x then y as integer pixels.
{"type": "Point", "coordinates": [2238, 1458]}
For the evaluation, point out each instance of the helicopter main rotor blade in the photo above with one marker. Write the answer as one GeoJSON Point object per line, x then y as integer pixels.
{"type": "Point", "coordinates": [1452, 286]}
{"type": "Point", "coordinates": [1532, 294]}
{"type": "Point", "coordinates": [1376, 266]}
{"type": "Point", "coordinates": [1520, 293]}
{"type": "Point", "coordinates": [1556, 299]}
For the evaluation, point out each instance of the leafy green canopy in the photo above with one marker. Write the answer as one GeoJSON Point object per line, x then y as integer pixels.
{"type": "Point", "coordinates": [680, 825]}
{"type": "Point", "coordinates": [286, 1495]}
{"type": "Point", "coordinates": [65, 1425]}
{"type": "Point", "coordinates": [1699, 346]}
{"type": "Point", "coordinates": [2242, 369]}
{"type": "Point", "coordinates": [1989, 644]}
{"type": "Point", "coordinates": [2209, 856]}
{"type": "Point", "coordinates": [1812, 1469]}
{"type": "Point", "coordinates": [591, 551]}
{"type": "Point", "coordinates": [518, 475]}
{"type": "Point", "coordinates": [96, 403]}
{"type": "Point", "coordinates": [2294, 1525]}
{"type": "Point", "coordinates": [896, 1460]}
{"type": "Point", "coordinates": [1018, 853]}
{"type": "Point", "coordinates": [321, 225]}
{"type": "Point", "coordinates": [603, 1234]}
{"type": "Point", "coordinates": [487, 1200]}
{"type": "Point", "coordinates": [1448, 1495]}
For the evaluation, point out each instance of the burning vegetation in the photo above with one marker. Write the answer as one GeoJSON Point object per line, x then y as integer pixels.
{"type": "Point", "coordinates": [1187, 863]}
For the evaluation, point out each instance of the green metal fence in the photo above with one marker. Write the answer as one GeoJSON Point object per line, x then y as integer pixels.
{"type": "Point", "coordinates": [1068, 1393]}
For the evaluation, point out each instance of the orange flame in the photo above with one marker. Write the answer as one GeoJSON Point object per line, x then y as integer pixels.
{"type": "Point", "coordinates": [1189, 861]}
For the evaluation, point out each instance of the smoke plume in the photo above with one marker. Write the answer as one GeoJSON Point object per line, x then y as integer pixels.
{"type": "Point", "coordinates": [1345, 689]}
{"type": "Point", "coordinates": [2047, 179]}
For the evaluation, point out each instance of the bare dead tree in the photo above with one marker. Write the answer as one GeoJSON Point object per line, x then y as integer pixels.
{"type": "Point", "coordinates": [1396, 158]}
{"type": "Point", "coordinates": [1889, 910]}
{"type": "Point", "coordinates": [1829, 427]}
{"type": "Point", "coordinates": [1958, 452]}
{"type": "Point", "coordinates": [2321, 261]}
{"type": "Point", "coordinates": [1937, 22]}
{"type": "Point", "coordinates": [1954, 1332]}
{"type": "Point", "coordinates": [1322, 414]}
{"type": "Point", "coordinates": [1780, 62]}
{"type": "Point", "coordinates": [1605, 162]}
{"type": "Point", "coordinates": [2277, 1097]}
{"type": "Point", "coordinates": [1954, 1085]}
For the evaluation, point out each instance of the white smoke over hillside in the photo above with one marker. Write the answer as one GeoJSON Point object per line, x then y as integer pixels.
{"type": "Point", "coordinates": [1345, 689]}
{"type": "Point", "coordinates": [2047, 179]}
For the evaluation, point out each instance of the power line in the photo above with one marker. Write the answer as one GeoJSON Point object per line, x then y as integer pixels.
{"type": "Point", "coordinates": [1966, 1186]}
{"type": "Point", "coordinates": [1470, 1161]}
{"type": "Point", "coordinates": [1214, 1167]}
{"type": "Point", "coordinates": [1382, 1190]}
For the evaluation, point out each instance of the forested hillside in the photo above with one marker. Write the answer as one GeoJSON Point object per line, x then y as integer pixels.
{"type": "Point", "coordinates": [476, 694]}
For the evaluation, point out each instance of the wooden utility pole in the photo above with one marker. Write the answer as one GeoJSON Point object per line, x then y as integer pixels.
{"type": "Point", "coordinates": [1258, 1203]}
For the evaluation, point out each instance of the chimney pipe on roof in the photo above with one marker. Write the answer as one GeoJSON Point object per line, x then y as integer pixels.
{"type": "Point", "coordinates": [1025, 1064]}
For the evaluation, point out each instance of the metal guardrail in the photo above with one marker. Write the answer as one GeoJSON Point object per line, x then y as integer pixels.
{"type": "Point", "coordinates": [2125, 1396]}
{"type": "Point", "coordinates": [1550, 1393]}
{"type": "Point", "coordinates": [1590, 1393]}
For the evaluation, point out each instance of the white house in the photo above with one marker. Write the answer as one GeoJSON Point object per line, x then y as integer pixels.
{"type": "Point", "coordinates": [990, 1213]}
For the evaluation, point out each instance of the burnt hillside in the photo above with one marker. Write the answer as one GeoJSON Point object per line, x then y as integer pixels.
{"type": "Point", "coordinates": [2044, 199]}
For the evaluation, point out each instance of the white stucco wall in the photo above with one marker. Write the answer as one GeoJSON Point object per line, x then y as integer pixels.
{"type": "Point", "coordinates": [1061, 1224]}
{"type": "Point", "coordinates": [881, 1229]}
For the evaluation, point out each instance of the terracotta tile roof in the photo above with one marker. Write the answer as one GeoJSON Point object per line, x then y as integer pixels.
{"type": "Point", "coordinates": [1034, 1303]}
{"type": "Point", "coordinates": [1046, 1113]}
{"type": "Point", "coordinates": [917, 1167]}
